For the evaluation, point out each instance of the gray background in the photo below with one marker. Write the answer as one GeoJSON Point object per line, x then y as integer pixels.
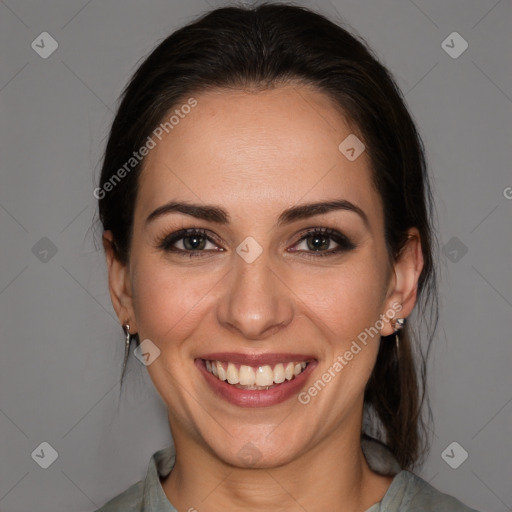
{"type": "Point", "coordinates": [61, 346]}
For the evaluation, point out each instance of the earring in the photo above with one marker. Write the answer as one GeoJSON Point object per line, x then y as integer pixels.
{"type": "Point", "coordinates": [126, 329]}
{"type": "Point", "coordinates": [398, 324]}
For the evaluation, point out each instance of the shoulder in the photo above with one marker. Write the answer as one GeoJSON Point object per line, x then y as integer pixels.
{"type": "Point", "coordinates": [128, 501]}
{"type": "Point", "coordinates": [407, 492]}
{"type": "Point", "coordinates": [146, 494]}
{"type": "Point", "coordinates": [416, 495]}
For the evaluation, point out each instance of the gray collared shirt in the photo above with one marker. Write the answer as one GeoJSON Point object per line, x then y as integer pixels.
{"type": "Point", "coordinates": [407, 492]}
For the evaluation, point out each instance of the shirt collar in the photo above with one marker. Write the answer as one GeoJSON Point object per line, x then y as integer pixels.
{"type": "Point", "coordinates": [160, 465]}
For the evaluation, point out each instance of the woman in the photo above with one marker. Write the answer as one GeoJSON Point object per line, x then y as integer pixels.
{"type": "Point", "coordinates": [267, 227]}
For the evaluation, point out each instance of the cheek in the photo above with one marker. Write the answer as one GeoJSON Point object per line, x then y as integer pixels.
{"type": "Point", "coordinates": [167, 303]}
{"type": "Point", "coordinates": [345, 300]}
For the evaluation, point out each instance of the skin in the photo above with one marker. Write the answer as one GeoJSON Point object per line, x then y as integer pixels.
{"type": "Point", "coordinates": [256, 154]}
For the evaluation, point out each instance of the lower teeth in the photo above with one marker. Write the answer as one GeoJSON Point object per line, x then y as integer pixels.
{"type": "Point", "coordinates": [239, 386]}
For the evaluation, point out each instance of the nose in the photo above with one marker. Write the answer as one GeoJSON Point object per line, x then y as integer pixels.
{"type": "Point", "coordinates": [255, 302]}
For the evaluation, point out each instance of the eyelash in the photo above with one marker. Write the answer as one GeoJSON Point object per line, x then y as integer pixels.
{"type": "Point", "coordinates": [344, 243]}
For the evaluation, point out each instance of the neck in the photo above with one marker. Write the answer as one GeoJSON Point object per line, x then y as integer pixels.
{"type": "Point", "coordinates": [331, 475]}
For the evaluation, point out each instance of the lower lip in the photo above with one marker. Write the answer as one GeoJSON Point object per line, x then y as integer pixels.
{"type": "Point", "coordinates": [256, 397]}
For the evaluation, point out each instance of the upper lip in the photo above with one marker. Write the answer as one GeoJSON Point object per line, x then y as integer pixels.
{"type": "Point", "coordinates": [257, 359]}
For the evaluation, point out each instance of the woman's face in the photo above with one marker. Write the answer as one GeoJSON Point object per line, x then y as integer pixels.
{"type": "Point", "coordinates": [255, 288]}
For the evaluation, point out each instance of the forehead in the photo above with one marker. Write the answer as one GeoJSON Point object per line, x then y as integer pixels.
{"type": "Point", "coordinates": [267, 149]}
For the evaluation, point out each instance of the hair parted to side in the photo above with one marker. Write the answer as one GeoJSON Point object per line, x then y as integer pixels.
{"type": "Point", "coordinates": [256, 48]}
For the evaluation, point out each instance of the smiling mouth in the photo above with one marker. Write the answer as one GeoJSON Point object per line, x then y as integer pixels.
{"type": "Point", "coordinates": [242, 376]}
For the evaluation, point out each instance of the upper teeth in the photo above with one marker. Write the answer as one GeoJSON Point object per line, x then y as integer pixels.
{"type": "Point", "coordinates": [260, 376]}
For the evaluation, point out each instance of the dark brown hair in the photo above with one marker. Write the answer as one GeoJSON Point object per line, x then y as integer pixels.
{"type": "Point", "coordinates": [256, 48]}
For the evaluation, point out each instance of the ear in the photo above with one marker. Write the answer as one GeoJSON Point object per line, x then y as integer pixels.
{"type": "Point", "coordinates": [403, 286]}
{"type": "Point", "coordinates": [119, 284]}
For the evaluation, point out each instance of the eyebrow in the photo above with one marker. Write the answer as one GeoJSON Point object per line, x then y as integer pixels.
{"type": "Point", "coordinates": [220, 216]}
